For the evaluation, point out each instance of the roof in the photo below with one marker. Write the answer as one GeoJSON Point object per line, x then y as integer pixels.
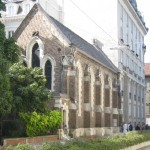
{"type": "Point", "coordinates": [80, 43]}
{"type": "Point", "coordinates": [147, 69]}
{"type": "Point", "coordinates": [84, 46]}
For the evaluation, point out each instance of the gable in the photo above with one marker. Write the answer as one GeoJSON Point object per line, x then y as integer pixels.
{"type": "Point", "coordinates": [40, 21]}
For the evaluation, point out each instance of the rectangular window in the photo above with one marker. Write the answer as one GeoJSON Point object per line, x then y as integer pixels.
{"type": "Point", "coordinates": [132, 64]}
{"type": "Point", "coordinates": [11, 10]}
{"type": "Point", "coordinates": [121, 12]}
{"type": "Point", "coordinates": [127, 39]}
{"type": "Point", "coordinates": [127, 20]}
{"type": "Point", "coordinates": [121, 33]}
{"type": "Point", "coordinates": [131, 26]}
{"type": "Point", "coordinates": [134, 111]}
{"type": "Point", "coordinates": [10, 34]}
{"type": "Point", "coordinates": [121, 56]}
{"type": "Point", "coordinates": [129, 109]}
{"type": "Point", "coordinates": [130, 95]}
{"type": "Point", "coordinates": [27, 8]}
{"type": "Point", "coordinates": [127, 59]}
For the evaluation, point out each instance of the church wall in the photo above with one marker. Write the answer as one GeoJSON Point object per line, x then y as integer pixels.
{"type": "Point", "coordinates": [52, 46]}
{"type": "Point", "coordinates": [85, 96]}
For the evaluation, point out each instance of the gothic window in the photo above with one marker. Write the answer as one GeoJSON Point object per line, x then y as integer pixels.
{"type": "Point", "coordinates": [35, 56]}
{"type": "Point", "coordinates": [48, 74]}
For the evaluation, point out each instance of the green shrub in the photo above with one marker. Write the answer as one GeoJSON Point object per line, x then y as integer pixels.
{"type": "Point", "coordinates": [41, 124]}
{"type": "Point", "coordinates": [21, 147]}
{"type": "Point", "coordinates": [111, 143]}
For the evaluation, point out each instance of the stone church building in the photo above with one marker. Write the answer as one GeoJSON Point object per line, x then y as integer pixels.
{"type": "Point", "coordinates": [84, 82]}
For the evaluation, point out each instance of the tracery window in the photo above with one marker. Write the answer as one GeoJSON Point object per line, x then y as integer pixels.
{"type": "Point", "coordinates": [48, 74]}
{"type": "Point", "coordinates": [35, 56]}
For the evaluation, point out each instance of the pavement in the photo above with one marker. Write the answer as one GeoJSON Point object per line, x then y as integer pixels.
{"type": "Point", "coordinates": [145, 148]}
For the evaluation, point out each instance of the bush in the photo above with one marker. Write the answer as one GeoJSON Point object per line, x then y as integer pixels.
{"type": "Point", "coordinates": [41, 123]}
{"type": "Point", "coordinates": [111, 143]}
{"type": "Point", "coordinates": [21, 147]}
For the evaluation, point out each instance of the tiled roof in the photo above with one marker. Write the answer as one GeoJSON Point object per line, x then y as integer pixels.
{"type": "Point", "coordinates": [84, 46]}
{"type": "Point", "coordinates": [147, 69]}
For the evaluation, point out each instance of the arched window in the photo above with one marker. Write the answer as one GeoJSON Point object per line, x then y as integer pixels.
{"type": "Point", "coordinates": [35, 56]}
{"type": "Point", "coordinates": [48, 74]}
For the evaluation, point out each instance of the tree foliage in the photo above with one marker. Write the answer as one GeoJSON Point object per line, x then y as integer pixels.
{"type": "Point", "coordinates": [5, 93]}
{"type": "Point", "coordinates": [9, 54]}
{"type": "Point", "coordinates": [28, 88]}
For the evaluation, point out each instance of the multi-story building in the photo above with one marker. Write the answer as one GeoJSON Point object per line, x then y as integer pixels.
{"type": "Point", "coordinates": [16, 10]}
{"type": "Point", "coordinates": [118, 24]}
{"type": "Point", "coordinates": [147, 80]}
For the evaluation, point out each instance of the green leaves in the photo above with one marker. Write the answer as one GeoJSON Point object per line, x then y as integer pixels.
{"type": "Point", "coordinates": [9, 54]}
{"type": "Point", "coordinates": [41, 123]}
{"type": "Point", "coordinates": [28, 88]}
{"type": "Point", "coordinates": [11, 51]}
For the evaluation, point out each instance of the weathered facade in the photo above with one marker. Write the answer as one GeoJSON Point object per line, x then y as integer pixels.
{"type": "Point", "coordinates": [83, 80]}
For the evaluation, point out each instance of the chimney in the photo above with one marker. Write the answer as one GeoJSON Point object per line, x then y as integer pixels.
{"type": "Point", "coordinates": [97, 44]}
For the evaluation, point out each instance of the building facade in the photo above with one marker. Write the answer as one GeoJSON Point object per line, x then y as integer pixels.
{"type": "Point", "coordinates": [16, 10]}
{"type": "Point", "coordinates": [84, 82]}
{"type": "Point", "coordinates": [119, 25]}
{"type": "Point", "coordinates": [147, 80]}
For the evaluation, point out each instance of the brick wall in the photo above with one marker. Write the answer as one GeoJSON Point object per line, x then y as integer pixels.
{"type": "Point", "coordinates": [32, 140]}
{"type": "Point", "coordinates": [38, 22]}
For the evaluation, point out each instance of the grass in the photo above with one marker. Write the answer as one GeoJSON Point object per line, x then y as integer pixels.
{"type": "Point", "coordinates": [110, 143]}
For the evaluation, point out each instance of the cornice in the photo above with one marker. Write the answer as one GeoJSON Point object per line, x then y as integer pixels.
{"type": "Point", "coordinates": [12, 18]}
{"type": "Point", "coordinates": [135, 15]}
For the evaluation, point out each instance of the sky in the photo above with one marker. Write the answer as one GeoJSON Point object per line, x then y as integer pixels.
{"type": "Point", "coordinates": [144, 7]}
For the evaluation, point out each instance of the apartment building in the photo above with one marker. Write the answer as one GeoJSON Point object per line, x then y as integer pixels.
{"type": "Point", "coordinates": [16, 10]}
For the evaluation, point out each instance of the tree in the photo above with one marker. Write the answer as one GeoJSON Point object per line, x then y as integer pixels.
{"type": "Point", "coordinates": [28, 88]}
{"type": "Point", "coordinates": [9, 54]}
{"type": "Point", "coordinates": [5, 93]}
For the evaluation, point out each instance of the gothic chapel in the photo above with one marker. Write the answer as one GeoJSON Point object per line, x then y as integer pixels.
{"type": "Point", "coordinates": [84, 82]}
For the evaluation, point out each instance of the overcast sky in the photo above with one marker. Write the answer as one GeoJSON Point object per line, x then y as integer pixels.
{"type": "Point", "coordinates": [144, 7]}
